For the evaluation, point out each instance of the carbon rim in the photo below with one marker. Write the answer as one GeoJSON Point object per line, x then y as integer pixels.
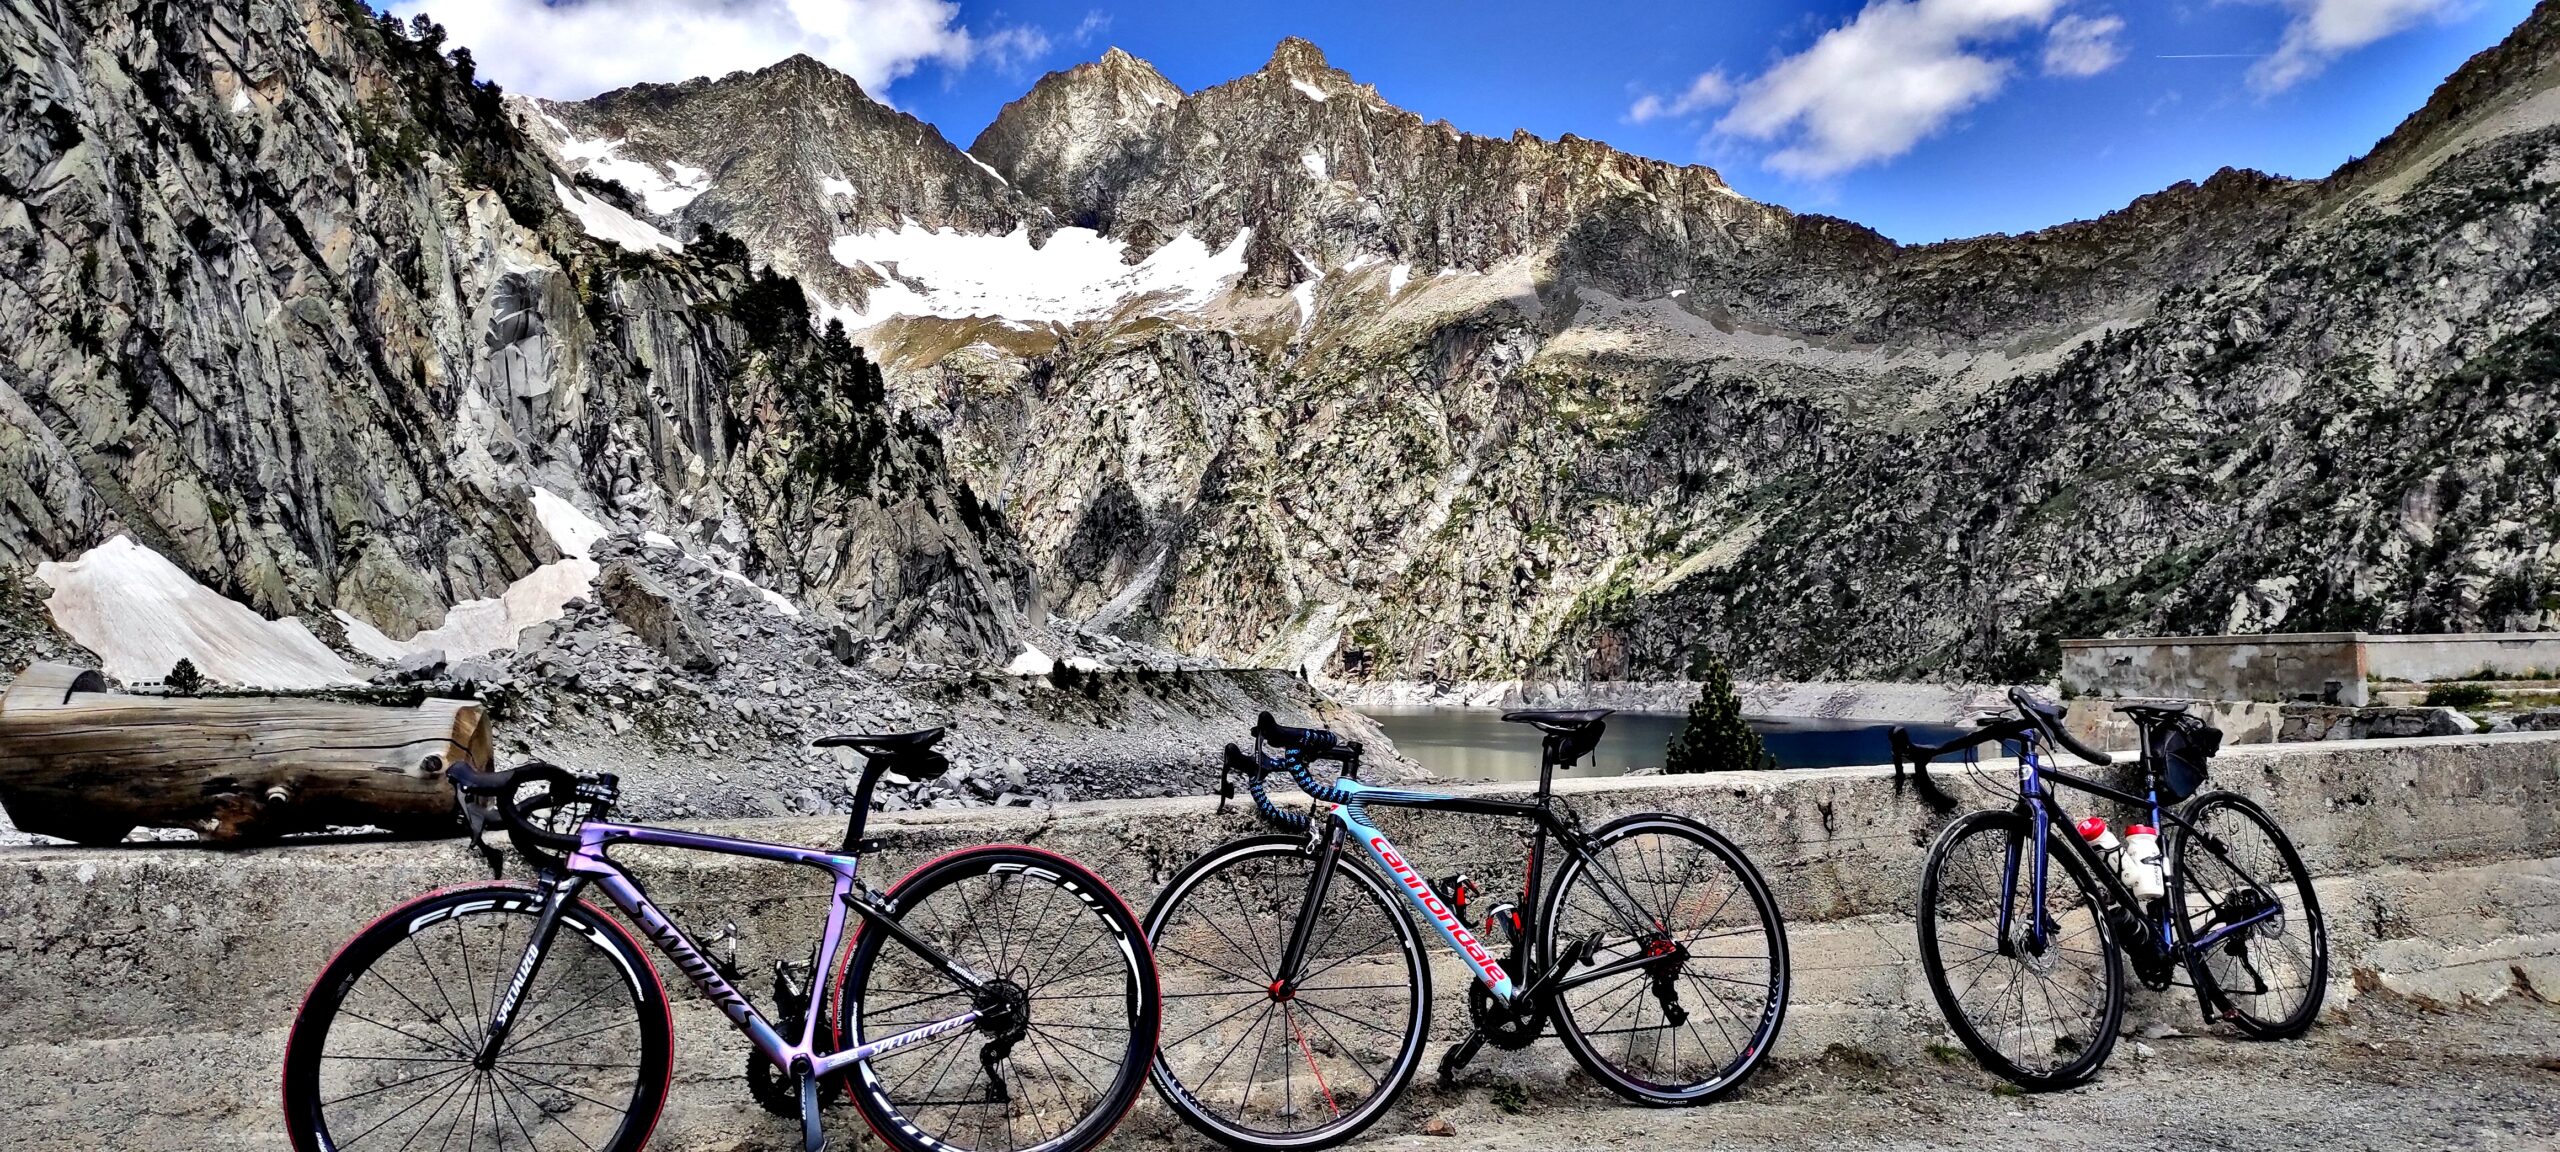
{"type": "Point", "coordinates": [382, 1056]}
{"type": "Point", "coordinates": [1072, 1011]}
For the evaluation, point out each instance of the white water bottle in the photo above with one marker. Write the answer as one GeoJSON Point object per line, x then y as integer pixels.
{"type": "Point", "coordinates": [2140, 864]}
{"type": "Point", "coordinates": [2093, 832]}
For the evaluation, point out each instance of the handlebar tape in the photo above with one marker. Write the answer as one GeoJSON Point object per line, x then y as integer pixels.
{"type": "Point", "coordinates": [1256, 769]}
{"type": "Point", "coordinates": [2063, 737]}
{"type": "Point", "coordinates": [1316, 743]}
{"type": "Point", "coordinates": [502, 787]}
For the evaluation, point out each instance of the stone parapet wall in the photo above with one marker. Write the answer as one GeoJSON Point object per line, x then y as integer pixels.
{"type": "Point", "coordinates": [180, 968]}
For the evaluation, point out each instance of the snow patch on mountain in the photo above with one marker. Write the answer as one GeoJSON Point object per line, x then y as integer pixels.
{"type": "Point", "coordinates": [1078, 275]}
{"type": "Point", "coordinates": [572, 531]}
{"type": "Point", "coordinates": [610, 224]}
{"type": "Point", "coordinates": [142, 614]}
{"type": "Point", "coordinates": [664, 189]}
{"type": "Point", "coordinates": [779, 603]}
{"type": "Point", "coordinates": [1314, 163]}
{"type": "Point", "coordinates": [477, 627]}
{"type": "Point", "coordinates": [1309, 90]}
{"type": "Point", "coordinates": [836, 186]}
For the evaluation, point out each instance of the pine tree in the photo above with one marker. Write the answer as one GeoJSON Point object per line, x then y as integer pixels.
{"type": "Point", "coordinates": [1716, 738]}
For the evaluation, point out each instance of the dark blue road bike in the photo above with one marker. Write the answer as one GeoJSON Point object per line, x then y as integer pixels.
{"type": "Point", "coordinates": [2029, 967]}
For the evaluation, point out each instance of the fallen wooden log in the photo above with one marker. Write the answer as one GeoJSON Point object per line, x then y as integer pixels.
{"type": "Point", "coordinates": [90, 765]}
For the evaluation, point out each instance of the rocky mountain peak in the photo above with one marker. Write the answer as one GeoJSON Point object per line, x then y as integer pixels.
{"type": "Point", "coordinates": [1297, 57]}
{"type": "Point", "coordinates": [804, 64]}
{"type": "Point", "coordinates": [1077, 131]}
{"type": "Point", "coordinates": [787, 158]}
{"type": "Point", "coordinates": [1118, 59]}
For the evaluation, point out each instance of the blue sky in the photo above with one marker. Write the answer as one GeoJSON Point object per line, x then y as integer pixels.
{"type": "Point", "coordinates": [1924, 119]}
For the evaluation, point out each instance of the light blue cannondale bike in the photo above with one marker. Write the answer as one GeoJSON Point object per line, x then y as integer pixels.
{"type": "Point", "coordinates": [1297, 995]}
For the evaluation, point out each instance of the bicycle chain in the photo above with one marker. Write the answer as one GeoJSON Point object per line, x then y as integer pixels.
{"type": "Point", "coordinates": [1503, 1027]}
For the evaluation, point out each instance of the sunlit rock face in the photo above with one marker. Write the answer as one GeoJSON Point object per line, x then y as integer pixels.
{"type": "Point", "coordinates": [1272, 372]}
{"type": "Point", "coordinates": [1479, 407]}
{"type": "Point", "coordinates": [297, 305]}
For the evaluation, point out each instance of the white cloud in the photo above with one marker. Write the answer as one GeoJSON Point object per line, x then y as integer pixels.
{"type": "Point", "coordinates": [2083, 45]}
{"type": "Point", "coordinates": [571, 49]}
{"type": "Point", "coordinates": [2320, 31]}
{"type": "Point", "coordinates": [1095, 23]}
{"type": "Point", "coordinates": [1894, 75]}
{"type": "Point", "coordinates": [1709, 90]}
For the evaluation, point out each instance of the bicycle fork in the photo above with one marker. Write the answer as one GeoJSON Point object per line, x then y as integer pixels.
{"type": "Point", "coordinates": [556, 897]}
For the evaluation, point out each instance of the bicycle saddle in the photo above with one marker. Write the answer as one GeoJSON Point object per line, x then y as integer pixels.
{"type": "Point", "coordinates": [1562, 722]}
{"type": "Point", "coordinates": [2152, 711]}
{"type": "Point", "coordinates": [883, 744]}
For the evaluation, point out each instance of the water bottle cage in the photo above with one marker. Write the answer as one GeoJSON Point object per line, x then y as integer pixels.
{"type": "Point", "coordinates": [1456, 892]}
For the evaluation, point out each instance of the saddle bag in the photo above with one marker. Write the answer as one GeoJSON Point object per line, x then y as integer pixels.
{"type": "Point", "coordinates": [2182, 750]}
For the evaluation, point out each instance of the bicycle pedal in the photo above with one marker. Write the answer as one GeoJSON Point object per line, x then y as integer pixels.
{"type": "Point", "coordinates": [1458, 1055]}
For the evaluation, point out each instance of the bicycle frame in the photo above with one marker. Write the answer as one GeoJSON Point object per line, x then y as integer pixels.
{"type": "Point", "coordinates": [2036, 802]}
{"type": "Point", "coordinates": [1351, 818]}
{"type": "Point", "coordinates": [589, 863]}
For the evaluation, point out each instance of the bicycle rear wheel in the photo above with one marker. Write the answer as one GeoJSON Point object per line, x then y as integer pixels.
{"type": "Point", "coordinates": [2267, 978]}
{"type": "Point", "coordinates": [383, 1053]}
{"type": "Point", "coordinates": [2042, 1017]}
{"type": "Point", "coordinates": [1257, 1065]}
{"type": "Point", "coordinates": [1069, 1009]}
{"type": "Point", "coordinates": [1694, 1020]}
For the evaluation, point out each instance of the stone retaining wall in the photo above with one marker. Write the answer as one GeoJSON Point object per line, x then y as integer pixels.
{"type": "Point", "coordinates": [179, 968]}
{"type": "Point", "coordinates": [2317, 667]}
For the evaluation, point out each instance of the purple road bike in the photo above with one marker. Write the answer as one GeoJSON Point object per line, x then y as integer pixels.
{"type": "Point", "coordinates": [998, 998]}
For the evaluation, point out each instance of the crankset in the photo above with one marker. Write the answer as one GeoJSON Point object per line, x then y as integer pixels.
{"type": "Point", "coordinates": [775, 1089]}
{"type": "Point", "coordinates": [1506, 1026]}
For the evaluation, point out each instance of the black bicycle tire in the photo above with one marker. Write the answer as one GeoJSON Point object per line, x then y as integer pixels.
{"type": "Point", "coordinates": [305, 1044]}
{"type": "Point", "coordinates": [1391, 1087]}
{"type": "Point", "coordinates": [2207, 986]}
{"type": "Point", "coordinates": [1773, 1018]}
{"type": "Point", "coordinates": [2095, 1056]}
{"type": "Point", "coordinates": [1098, 897]}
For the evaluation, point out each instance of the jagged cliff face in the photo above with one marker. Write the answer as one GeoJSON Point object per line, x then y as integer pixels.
{"type": "Point", "coordinates": [1277, 373]}
{"type": "Point", "coordinates": [1459, 406]}
{"type": "Point", "coordinates": [296, 304]}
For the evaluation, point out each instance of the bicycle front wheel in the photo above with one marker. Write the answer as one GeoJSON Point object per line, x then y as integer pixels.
{"type": "Point", "coordinates": [386, 1050]}
{"type": "Point", "coordinates": [2041, 1014]}
{"type": "Point", "coordinates": [1254, 1062]}
{"type": "Point", "coordinates": [2237, 884]}
{"type": "Point", "coordinates": [1676, 977]}
{"type": "Point", "coordinates": [1068, 1008]}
